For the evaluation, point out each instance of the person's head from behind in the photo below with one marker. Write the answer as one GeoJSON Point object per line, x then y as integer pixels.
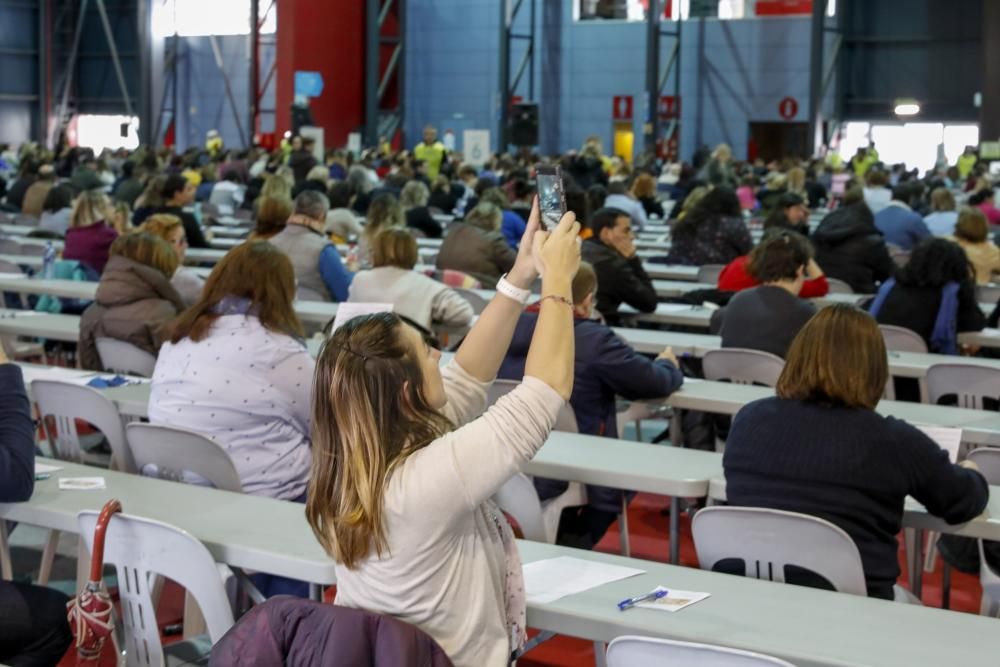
{"type": "Point", "coordinates": [414, 195]}
{"type": "Point", "coordinates": [644, 186]}
{"type": "Point", "coordinates": [780, 259]}
{"type": "Point", "coordinates": [617, 188]}
{"type": "Point", "coordinates": [147, 249]}
{"type": "Point", "coordinates": [384, 211]}
{"type": "Point", "coordinates": [718, 203]}
{"type": "Point", "coordinates": [377, 392]}
{"type": "Point", "coordinates": [612, 227]}
{"type": "Point", "coordinates": [272, 215]}
{"type": "Point", "coordinates": [394, 246]}
{"type": "Point", "coordinates": [496, 197]}
{"type": "Point", "coordinates": [935, 262]}
{"type": "Point", "coordinates": [170, 229]}
{"type": "Point", "coordinates": [319, 174]}
{"type": "Point", "coordinates": [972, 226]}
{"type": "Point", "coordinates": [793, 207]}
{"type": "Point", "coordinates": [254, 272]}
{"type": "Point", "coordinates": [722, 153]}
{"type": "Point", "coordinates": [58, 198]}
{"type": "Point", "coordinates": [277, 187]}
{"type": "Point", "coordinates": [312, 206]}
{"type": "Point", "coordinates": [430, 134]}
{"type": "Point", "coordinates": [838, 359]}
{"type": "Point", "coordinates": [584, 290]}
{"type": "Point", "coordinates": [907, 192]}
{"type": "Point", "coordinates": [91, 206]}
{"type": "Point", "coordinates": [339, 194]}
{"type": "Point", "coordinates": [876, 178]}
{"type": "Point", "coordinates": [485, 216]}
{"type": "Point", "coordinates": [981, 197]}
{"type": "Point", "coordinates": [942, 200]}
{"type": "Point", "coordinates": [178, 191]}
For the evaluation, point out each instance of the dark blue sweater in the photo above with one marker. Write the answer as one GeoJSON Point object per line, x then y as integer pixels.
{"type": "Point", "coordinates": [17, 444]}
{"type": "Point", "coordinates": [850, 466]}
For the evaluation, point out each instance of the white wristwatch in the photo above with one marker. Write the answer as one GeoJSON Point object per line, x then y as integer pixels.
{"type": "Point", "coordinates": [511, 292]}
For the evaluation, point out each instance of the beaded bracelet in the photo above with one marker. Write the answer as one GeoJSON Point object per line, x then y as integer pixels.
{"type": "Point", "coordinates": [556, 297]}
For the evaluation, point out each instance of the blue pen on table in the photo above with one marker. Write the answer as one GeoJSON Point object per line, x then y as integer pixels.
{"type": "Point", "coordinates": [648, 597]}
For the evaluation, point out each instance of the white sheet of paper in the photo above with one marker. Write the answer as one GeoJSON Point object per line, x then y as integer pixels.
{"type": "Point", "coordinates": [674, 600]}
{"type": "Point", "coordinates": [42, 468]}
{"type": "Point", "coordinates": [82, 483]}
{"type": "Point", "coordinates": [348, 311]}
{"type": "Point", "coordinates": [554, 578]}
{"type": "Point", "coordinates": [56, 373]}
{"type": "Point", "coordinates": [672, 308]}
{"type": "Point", "coordinates": [12, 276]}
{"type": "Point", "coordinates": [948, 439]}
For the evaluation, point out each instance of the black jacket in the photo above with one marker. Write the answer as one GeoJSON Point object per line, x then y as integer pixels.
{"type": "Point", "coordinates": [916, 308]}
{"type": "Point", "coordinates": [850, 248]}
{"type": "Point", "coordinates": [421, 218]}
{"type": "Point", "coordinates": [618, 280]}
{"type": "Point", "coordinates": [17, 442]}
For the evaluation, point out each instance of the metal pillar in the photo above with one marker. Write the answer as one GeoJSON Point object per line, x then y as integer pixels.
{"type": "Point", "coordinates": [509, 11]}
{"type": "Point", "coordinates": [254, 87]}
{"type": "Point", "coordinates": [220, 63]}
{"type": "Point", "coordinates": [44, 68]}
{"type": "Point", "coordinates": [382, 120]}
{"type": "Point", "coordinates": [119, 73]}
{"type": "Point", "coordinates": [68, 78]}
{"type": "Point", "coordinates": [145, 39]}
{"type": "Point", "coordinates": [816, 77]}
{"type": "Point", "coordinates": [656, 79]}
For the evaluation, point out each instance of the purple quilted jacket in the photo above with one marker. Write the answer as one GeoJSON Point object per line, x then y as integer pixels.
{"type": "Point", "coordinates": [302, 633]}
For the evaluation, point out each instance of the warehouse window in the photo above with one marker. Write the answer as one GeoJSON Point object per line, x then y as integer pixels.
{"type": "Point", "coordinates": [194, 18]}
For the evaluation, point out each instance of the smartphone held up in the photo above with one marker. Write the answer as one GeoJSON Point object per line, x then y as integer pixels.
{"type": "Point", "coordinates": [551, 196]}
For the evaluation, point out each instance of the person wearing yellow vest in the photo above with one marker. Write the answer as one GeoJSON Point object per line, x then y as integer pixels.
{"type": "Point", "coordinates": [213, 143]}
{"type": "Point", "coordinates": [967, 161]}
{"type": "Point", "coordinates": [431, 152]}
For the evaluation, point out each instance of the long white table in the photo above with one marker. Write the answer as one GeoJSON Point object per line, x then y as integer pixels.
{"type": "Point", "coordinates": [671, 271]}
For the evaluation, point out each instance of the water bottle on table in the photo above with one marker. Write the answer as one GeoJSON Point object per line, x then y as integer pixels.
{"type": "Point", "coordinates": [49, 262]}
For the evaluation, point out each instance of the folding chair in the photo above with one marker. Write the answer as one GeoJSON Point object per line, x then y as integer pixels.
{"type": "Point", "coordinates": [974, 387]}
{"type": "Point", "coordinates": [709, 273]}
{"type": "Point", "coordinates": [743, 366]}
{"type": "Point", "coordinates": [632, 651]}
{"type": "Point", "coordinates": [117, 356]}
{"type": "Point", "coordinates": [169, 453]}
{"type": "Point", "coordinates": [838, 286]}
{"type": "Point", "coordinates": [988, 460]}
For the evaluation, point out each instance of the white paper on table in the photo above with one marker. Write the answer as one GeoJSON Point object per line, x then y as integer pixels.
{"type": "Point", "coordinates": [348, 311]}
{"type": "Point", "coordinates": [554, 578]}
{"type": "Point", "coordinates": [11, 276]}
{"type": "Point", "coordinates": [674, 600]}
{"type": "Point", "coordinates": [673, 308]}
{"type": "Point", "coordinates": [949, 439]}
{"type": "Point", "coordinates": [42, 468]}
{"type": "Point", "coordinates": [56, 373]}
{"type": "Point", "coordinates": [82, 483]}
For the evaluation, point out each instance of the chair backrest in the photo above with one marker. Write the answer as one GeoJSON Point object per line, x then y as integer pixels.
{"type": "Point", "coordinates": [768, 541]}
{"type": "Point", "coordinates": [565, 421]}
{"type": "Point", "coordinates": [988, 460]}
{"type": "Point", "coordinates": [838, 286]}
{"type": "Point", "coordinates": [9, 247]}
{"type": "Point", "coordinates": [60, 404]}
{"type": "Point", "coordinates": [975, 387]}
{"type": "Point", "coordinates": [117, 356]}
{"type": "Point", "coordinates": [901, 339]}
{"type": "Point", "coordinates": [167, 453]}
{"type": "Point", "coordinates": [518, 498]}
{"type": "Point", "coordinates": [32, 249]}
{"type": "Point", "coordinates": [743, 366]}
{"type": "Point", "coordinates": [141, 548]}
{"type": "Point", "coordinates": [988, 293]}
{"type": "Point", "coordinates": [632, 651]}
{"type": "Point", "coordinates": [477, 302]}
{"type": "Point", "coordinates": [709, 273]}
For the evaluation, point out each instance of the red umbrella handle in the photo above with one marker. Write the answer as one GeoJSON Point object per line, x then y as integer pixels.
{"type": "Point", "coordinates": [111, 507]}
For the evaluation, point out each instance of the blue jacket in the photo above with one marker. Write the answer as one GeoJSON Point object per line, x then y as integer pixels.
{"type": "Point", "coordinates": [512, 228]}
{"type": "Point", "coordinates": [901, 226]}
{"type": "Point", "coordinates": [606, 367]}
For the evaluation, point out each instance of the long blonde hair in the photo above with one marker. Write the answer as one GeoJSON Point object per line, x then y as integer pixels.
{"type": "Point", "coordinates": [369, 414]}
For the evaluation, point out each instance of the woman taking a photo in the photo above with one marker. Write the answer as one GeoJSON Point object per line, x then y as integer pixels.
{"type": "Point", "coordinates": [405, 460]}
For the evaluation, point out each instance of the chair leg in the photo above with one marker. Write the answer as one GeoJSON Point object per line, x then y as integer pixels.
{"type": "Point", "coordinates": [194, 620]}
{"type": "Point", "coordinates": [623, 539]}
{"type": "Point", "coordinates": [48, 556]}
{"type": "Point", "coordinates": [6, 569]}
{"type": "Point", "coordinates": [600, 654]}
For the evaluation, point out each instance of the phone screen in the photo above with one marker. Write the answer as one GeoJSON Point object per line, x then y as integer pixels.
{"type": "Point", "coordinates": [551, 197]}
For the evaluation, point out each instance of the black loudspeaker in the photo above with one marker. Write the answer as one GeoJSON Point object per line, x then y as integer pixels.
{"type": "Point", "coordinates": [301, 115]}
{"type": "Point", "coordinates": [524, 125]}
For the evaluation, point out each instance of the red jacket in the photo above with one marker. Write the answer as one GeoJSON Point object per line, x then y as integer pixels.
{"type": "Point", "coordinates": [735, 278]}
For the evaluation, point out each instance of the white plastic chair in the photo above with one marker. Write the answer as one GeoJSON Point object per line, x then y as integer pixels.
{"type": "Point", "coordinates": [768, 540]}
{"type": "Point", "coordinates": [117, 356]}
{"type": "Point", "coordinates": [743, 366]}
{"type": "Point", "coordinates": [969, 383]}
{"type": "Point", "coordinates": [477, 302]}
{"type": "Point", "coordinates": [142, 549]}
{"type": "Point", "coordinates": [901, 339]}
{"type": "Point", "coordinates": [988, 460]}
{"type": "Point", "coordinates": [838, 286]}
{"type": "Point", "coordinates": [168, 453]}
{"type": "Point", "coordinates": [709, 273]}
{"type": "Point", "coordinates": [988, 293]}
{"type": "Point", "coordinates": [633, 651]}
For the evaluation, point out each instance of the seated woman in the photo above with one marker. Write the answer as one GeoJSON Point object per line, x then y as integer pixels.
{"type": "Point", "coordinates": [477, 247]}
{"type": "Point", "coordinates": [736, 275]}
{"type": "Point", "coordinates": [57, 210]}
{"type": "Point", "coordinates": [134, 299]}
{"type": "Point", "coordinates": [850, 248]}
{"type": "Point", "coordinates": [90, 234]}
{"type": "Point", "coordinates": [605, 368]}
{"type": "Point", "coordinates": [384, 212]}
{"type": "Point", "coordinates": [712, 232]}
{"type": "Point", "coordinates": [769, 316]}
{"type": "Point", "coordinates": [820, 448]}
{"type": "Point", "coordinates": [934, 295]}
{"type": "Point", "coordinates": [406, 461]}
{"type": "Point", "coordinates": [413, 295]}
{"type": "Point", "coordinates": [972, 234]}
{"type": "Point", "coordinates": [789, 213]}
{"type": "Point", "coordinates": [235, 370]}
{"type": "Point", "coordinates": [413, 199]}
{"type": "Point", "coordinates": [273, 212]}
{"type": "Point", "coordinates": [170, 228]}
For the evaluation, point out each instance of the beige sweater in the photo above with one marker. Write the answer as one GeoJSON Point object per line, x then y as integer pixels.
{"type": "Point", "coordinates": [984, 257]}
{"type": "Point", "coordinates": [444, 571]}
{"type": "Point", "coordinates": [422, 299]}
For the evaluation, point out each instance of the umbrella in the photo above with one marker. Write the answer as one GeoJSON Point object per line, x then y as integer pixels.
{"type": "Point", "coordinates": [90, 613]}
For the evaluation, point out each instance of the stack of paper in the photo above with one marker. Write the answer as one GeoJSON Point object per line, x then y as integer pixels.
{"type": "Point", "coordinates": [554, 578]}
{"type": "Point", "coordinates": [948, 439]}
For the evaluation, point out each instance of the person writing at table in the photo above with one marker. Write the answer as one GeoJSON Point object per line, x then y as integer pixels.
{"type": "Point", "coordinates": [819, 447]}
{"type": "Point", "coordinates": [33, 627]}
{"type": "Point", "coordinates": [405, 461]}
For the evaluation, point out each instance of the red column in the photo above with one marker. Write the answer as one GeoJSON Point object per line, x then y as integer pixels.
{"type": "Point", "coordinates": [326, 37]}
